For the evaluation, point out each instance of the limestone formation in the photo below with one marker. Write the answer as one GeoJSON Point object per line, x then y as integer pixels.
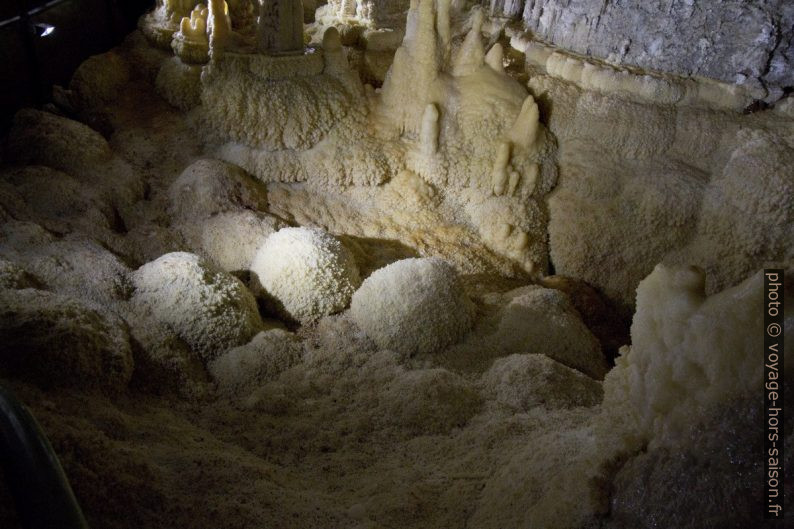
{"type": "Point", "coordinates": [413, 306]}
{"type": "Point", "coordinates": [280, 27]}
{"type": "Point", "coordinates": [304, 273]}
{"type": "Point", "coordinates": [214, 169]}
{"type": "Point", "coordinates": [207, 308]}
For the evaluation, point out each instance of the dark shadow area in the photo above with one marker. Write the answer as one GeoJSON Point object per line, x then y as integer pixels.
{"type": "Point", "coordinates": [43, 42]}
{"type": "Point", "coordinates": [372, 254]}
{"type": "Point", "coordinates": [605, 321]}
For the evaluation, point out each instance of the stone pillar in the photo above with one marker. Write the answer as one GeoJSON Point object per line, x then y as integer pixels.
{"type": "Point", "coordinates": [280, 28]}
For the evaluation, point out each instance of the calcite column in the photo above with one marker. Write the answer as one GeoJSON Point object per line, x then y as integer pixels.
{"type": "Point", "coordinates": [280, 27]}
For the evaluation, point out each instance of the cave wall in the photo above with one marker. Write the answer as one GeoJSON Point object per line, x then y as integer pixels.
{"type": "Point", "coordinates": [732, 40]}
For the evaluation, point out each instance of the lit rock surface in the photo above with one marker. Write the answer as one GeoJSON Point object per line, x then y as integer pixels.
{"type": "Point", "coordinates": [218, 210]}
{"type": "Point", "coordinates": [413, 306]}
{"type": "Point", "coordinates": [673, 188]}
{"type": "Point", "coordinates": [208, 309]}
{"type": "Point", "coordinates": [543, 321]}
{"type": "Point", "coordinates": [80, 268]}
{"type": "Point", "coordinates": [735, 41]}
{"type": "Point", "coordinates": [231, 239]}
{"type": "Point", "coordinates": [304, 274]}
{"type": "Point", "coordinates": [689, 352]}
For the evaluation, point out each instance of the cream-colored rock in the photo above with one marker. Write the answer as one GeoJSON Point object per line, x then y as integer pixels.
{"type": "Point", "coordinates": [525, 381]}
{"type": "Point", "coordinates": [413, 306]}
{"type": "Point", "coordinates": [207, 308]}
{"type": "Point", "coordinates": [218, 210]}
{"type": "Point", "coordinates": [543, 321]}
{"type": "Point", "coordinates": [304, 274]}
{"type": "Point", "coordinates": [688, 353]}
{"type": "Point", "coordinates": [243, 369]}
{"type": "Point", "coordinates": [490, 140]}
{"type": "Point", "coordinates": [208, 187]}
{"type": "Point", "coordinates": [554, 479]}
{"type": "Point", "coordinates": [274, 103]}
{"type": "Point", "coordinates": [230, 239]}
{"type": "Point", "coordinates": [191, 41]}
{"type": "Point", "coordinates": [746, 212]}
{"type": "Point", "coordinates": [662, 193]}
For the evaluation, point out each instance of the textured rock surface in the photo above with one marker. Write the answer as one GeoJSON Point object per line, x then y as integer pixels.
{"type": "Point", "coordinates": [457, 158]}
{"type": "Point", "coordinates": [247, 367]}
{"type": "Point", "coordinates": [413, 306]}
{"type": "Point", "coordinates": [92, 351]}
{"type": "Point", "coordinates": [641, 184]}
{"type": "Point", "coordinates": [41, 138]}
{"type": "Point", "coordinates": [231, 239]}
{"type": "Point", "coordinates": [543, 321]}
{"type": "Point", "coordinates": [304, 274]}
{"type": "Point", "coordinates": [688, 353]}
{"type": "Point", "coordinates": [219, 211]}
{"type": "Point", "coordinates": [429, 401]}
{"type": "Point", "coordinates": [208, 187]}
{"type": "Point", "coordinates": [13, 276]}
{"type": "Point", "coordinates": [715, 467]}
{"type": "Point", "coordinates": [210, 310]}
{"type": "Point", "coordinates": [734, 41]}
{"type": "Point", "coordinates": [525, 381]}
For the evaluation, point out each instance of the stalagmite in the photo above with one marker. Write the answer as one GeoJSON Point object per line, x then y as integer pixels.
{"type": "Point", "coordinates": [524, 132]}
{"type": "Point", "coordinates": [500, 175]}
{"type": "Point", "coordinates": [429, 136]}
{"type": "Point", "coordinates": [195, 27]}
{"type": "Point", "coordinates": [219, 25]}
{"type": "Point", "coordinates": [190, 43]}
{"type": "Point", "coordinates": [442, 25]}
{"type": "Point", "coordinates": [495, 57]}
{"type": "Point", "coordinates": [280, 28]}
{"type": "Point", "coordinates": [472, 53]}
{"type": "Point", "coordinates": [179, 8]}
{"type": "Point", "coordinates": [332, 51]}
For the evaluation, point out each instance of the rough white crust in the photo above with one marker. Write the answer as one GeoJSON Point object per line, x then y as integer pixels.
{"type": "Point", "coordinates": [413, 306]}
{"type": "Point", "coordinates": [688, 353]}
{"type": "Point", "coordinates": [209, 309]}
{"type": "Point", "coordinates": [304, 273]}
